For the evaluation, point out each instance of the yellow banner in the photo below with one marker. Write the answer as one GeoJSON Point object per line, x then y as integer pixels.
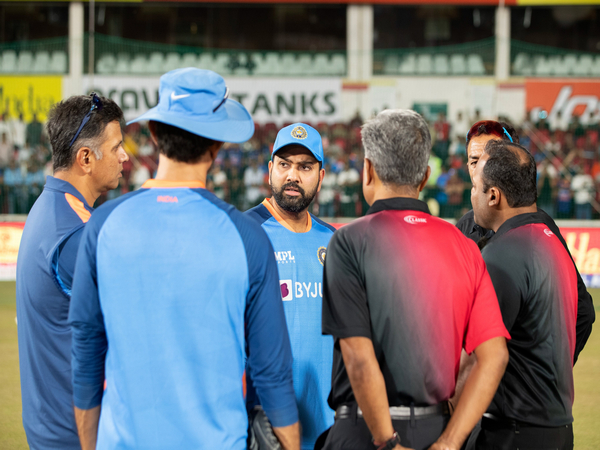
{"type": "Point", "coordinates": [29, 95]}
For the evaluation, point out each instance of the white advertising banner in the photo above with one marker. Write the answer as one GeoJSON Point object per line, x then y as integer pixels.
{"type": "Point", "coordinates": [268, 99]}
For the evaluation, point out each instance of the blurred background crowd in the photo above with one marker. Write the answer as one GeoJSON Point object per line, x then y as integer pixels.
{"type": "Point", "coordinates": [567, 154]}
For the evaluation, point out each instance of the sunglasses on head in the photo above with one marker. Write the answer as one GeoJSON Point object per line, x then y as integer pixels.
{"type": "Point", "coordinates": [96, 106]}
{"type": "Point", "coordinates": [489, 127]}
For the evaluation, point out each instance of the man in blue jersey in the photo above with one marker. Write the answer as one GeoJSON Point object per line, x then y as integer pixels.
{"type": "Point", "coordinates": [87, 155]}
{"type": "Point", "coordinates": [300, 242]}
{"type": "Point", "coordinates": [174, 290]}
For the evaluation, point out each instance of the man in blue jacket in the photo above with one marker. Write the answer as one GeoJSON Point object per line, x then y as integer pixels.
{"type": "Point", "coordinates": [87, 155]}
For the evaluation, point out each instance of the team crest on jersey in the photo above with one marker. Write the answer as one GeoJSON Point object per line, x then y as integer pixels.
{"type": "Point", "coordinates": [321, 255]}
{"type": "Point", "coordinates": [299, 133]}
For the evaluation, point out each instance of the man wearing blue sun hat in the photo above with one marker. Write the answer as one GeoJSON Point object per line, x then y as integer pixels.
{"type": "Point", "coordinates": [300, 241]}
{"type": "Point", "coordinates": [173, 290]}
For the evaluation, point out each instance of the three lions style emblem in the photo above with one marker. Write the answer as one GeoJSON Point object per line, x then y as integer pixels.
{"type": "Point", "coordinates": [299, 133]}
{"type": "Point", "coordinates": [321, 255]}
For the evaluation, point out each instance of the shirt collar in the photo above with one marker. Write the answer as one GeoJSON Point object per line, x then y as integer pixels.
{"type": "Point", "coordinates": [58, 185]}
{"type": "Point", "coordinates": [398, 203]}
{"type": "Point", "coordinates": [153, 183]}
{"type": "Point", "coordinates": [519, 221]}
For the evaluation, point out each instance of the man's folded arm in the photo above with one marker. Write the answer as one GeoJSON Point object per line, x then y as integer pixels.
{"type": "Point", "coordinates": [89, 342]}
{"type": "Point", "coordinates": [268, 344]}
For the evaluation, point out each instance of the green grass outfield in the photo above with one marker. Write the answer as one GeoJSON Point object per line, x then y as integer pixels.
{"type": "Point", "coordinates": [12, 436]}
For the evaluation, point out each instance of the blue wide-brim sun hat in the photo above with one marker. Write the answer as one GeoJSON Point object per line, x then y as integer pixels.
{"type": "Point", "coordinates": [196, 100]}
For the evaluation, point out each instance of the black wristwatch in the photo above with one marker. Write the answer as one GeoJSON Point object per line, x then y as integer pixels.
{"type": "Point", "coordinates": [390, 443]}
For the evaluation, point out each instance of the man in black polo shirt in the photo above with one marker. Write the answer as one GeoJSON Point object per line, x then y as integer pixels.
{"type": "Point", "coordinates": [404, 293]}
{"type": "Point", "coordinates": [536, 284]}
{"type": "Point", "coordinates": [477, 137]}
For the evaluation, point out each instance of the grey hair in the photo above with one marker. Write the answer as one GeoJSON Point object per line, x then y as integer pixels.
{"type": "Point", "coordinates": [398, 144]}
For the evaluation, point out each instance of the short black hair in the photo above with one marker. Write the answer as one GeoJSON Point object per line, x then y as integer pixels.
{"type": "Point", "coordinates": [180, 145]}
{"type": "Point", "coordinates": [64, 119]}
{"type": "Point", "coordinates": [510, 168]}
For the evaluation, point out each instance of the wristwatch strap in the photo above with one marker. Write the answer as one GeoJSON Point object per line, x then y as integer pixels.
{"type": "Point", "coordinates": [390, 443]}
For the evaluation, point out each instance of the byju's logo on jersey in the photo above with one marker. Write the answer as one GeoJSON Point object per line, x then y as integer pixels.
{"type": "Point", "coordinates": [285, 257]}
{"type": "Point", "coordinates": [286, 290]}
{"type": "Point", "coordinates": [414, 220]}
{"type": "Point", "coordinates": [321, 255]}
{"type": "Point", "coordinates": [548, 233]}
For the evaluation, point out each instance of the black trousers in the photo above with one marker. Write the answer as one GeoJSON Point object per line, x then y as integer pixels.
{"type": "Point", "coordinates": [495, 435]}
{"type": "Point", "coordinates": [353, 434]}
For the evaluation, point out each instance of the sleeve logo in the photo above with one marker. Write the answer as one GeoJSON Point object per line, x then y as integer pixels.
{"type": "Point", "coordinates": [321, 255]}
{"type": "Point", "coordinates": [548, 233]}
{"type": "Point", "coordinates": [286, 290]}
{"type": "Point", "coordinates": [414, 220]}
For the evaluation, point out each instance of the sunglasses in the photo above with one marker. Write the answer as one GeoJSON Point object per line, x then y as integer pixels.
{"type": "Point", "coordinates": [96, 106]}
{"type": "Point", "coordinates": [224, 99]}
{"type": "Point", "coordinates": [489, 127]}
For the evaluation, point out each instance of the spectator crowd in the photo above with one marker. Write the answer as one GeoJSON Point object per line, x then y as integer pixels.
{"type": "Point", "coordinates": [567, 155]}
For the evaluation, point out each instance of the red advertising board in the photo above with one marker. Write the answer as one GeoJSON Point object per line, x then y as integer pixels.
{"type": "Point", "coordinates": [568, 96]}
{"type": "Point", "coordinates": [584, 244]}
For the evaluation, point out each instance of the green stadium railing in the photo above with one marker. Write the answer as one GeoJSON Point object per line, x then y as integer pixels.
{"type": "Point", "coordinates": [225, 61]}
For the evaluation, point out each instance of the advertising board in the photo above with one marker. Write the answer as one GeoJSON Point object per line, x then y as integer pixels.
{"type": "Point", "coordinates": [567, 97]}
{"type": "Point", "coordinates": [277, 100]}
{"type": "Point", "coordinates": [29, 95]}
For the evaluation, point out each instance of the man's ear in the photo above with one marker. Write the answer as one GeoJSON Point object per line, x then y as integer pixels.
{"type": "Point", "coordinates": [83, 159]}
{"type": "Point", "coordinates": [321, 176]}
{"type": "Point", "coordinates": [368, 173]}
{"type": "Point", "coordinates": [425, 178]}
{"type": "Point", "coordinates": [494, 197]}
{"type": "Point", "coordinates": [270, 167]}
{"type": "Point", "coordinates": [214, 149]}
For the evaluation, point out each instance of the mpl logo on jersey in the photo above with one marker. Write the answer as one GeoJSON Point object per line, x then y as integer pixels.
{"type": "Point", "coordinates": [285, 257]}
{"type": "Point", "coordinates": [414, 220]}
{"type": "Point", "coordinates": [570, 98]}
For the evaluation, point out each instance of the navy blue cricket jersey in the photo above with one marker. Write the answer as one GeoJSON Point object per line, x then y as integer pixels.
{"type": "Point", "coordinates": [42, 313]}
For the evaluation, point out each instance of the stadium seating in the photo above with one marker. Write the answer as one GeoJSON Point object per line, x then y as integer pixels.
{"type": "Point", "coordinates": [458, 65]}
{"type": "Point", "coordinates": [9, 61]}
{"type": "Point", "coordinates": [566, 65]}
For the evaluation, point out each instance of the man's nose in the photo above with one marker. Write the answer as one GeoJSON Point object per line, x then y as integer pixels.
{"type": "Point", "coordinates": [124, 155]}
{"type": "Point", "coordinates": [293, 174]}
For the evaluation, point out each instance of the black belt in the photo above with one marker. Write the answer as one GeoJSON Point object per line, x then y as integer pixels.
{"type": "Point", "coordinates": [491, 422]}
{"type": "Point", "coordinates": [397, 412]}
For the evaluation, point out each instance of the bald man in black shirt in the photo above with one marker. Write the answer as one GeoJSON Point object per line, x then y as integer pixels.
{"type": "Point", "coordinates": [536, 285]}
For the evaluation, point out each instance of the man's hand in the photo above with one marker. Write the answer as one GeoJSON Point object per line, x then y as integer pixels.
{"type": "Point", "coordinates": [442, 446]}
{"type": "Point", "coordinates": [87, 425]}
{"type": "Point", "coordinates": [289, 437]}
{"type": "Point", "coordinates": [368, 386]}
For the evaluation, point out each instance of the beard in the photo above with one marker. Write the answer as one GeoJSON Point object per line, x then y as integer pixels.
{"type": "Point", "coordinates": [293, 204]}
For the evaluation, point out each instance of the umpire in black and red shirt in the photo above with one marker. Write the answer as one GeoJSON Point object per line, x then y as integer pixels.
{"type": "Point", "coordinates": [478, 136]}
{"type": "Point", "coordinates": [536, 284]}
{"type": "Point", "coordinates": [404, 292]}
